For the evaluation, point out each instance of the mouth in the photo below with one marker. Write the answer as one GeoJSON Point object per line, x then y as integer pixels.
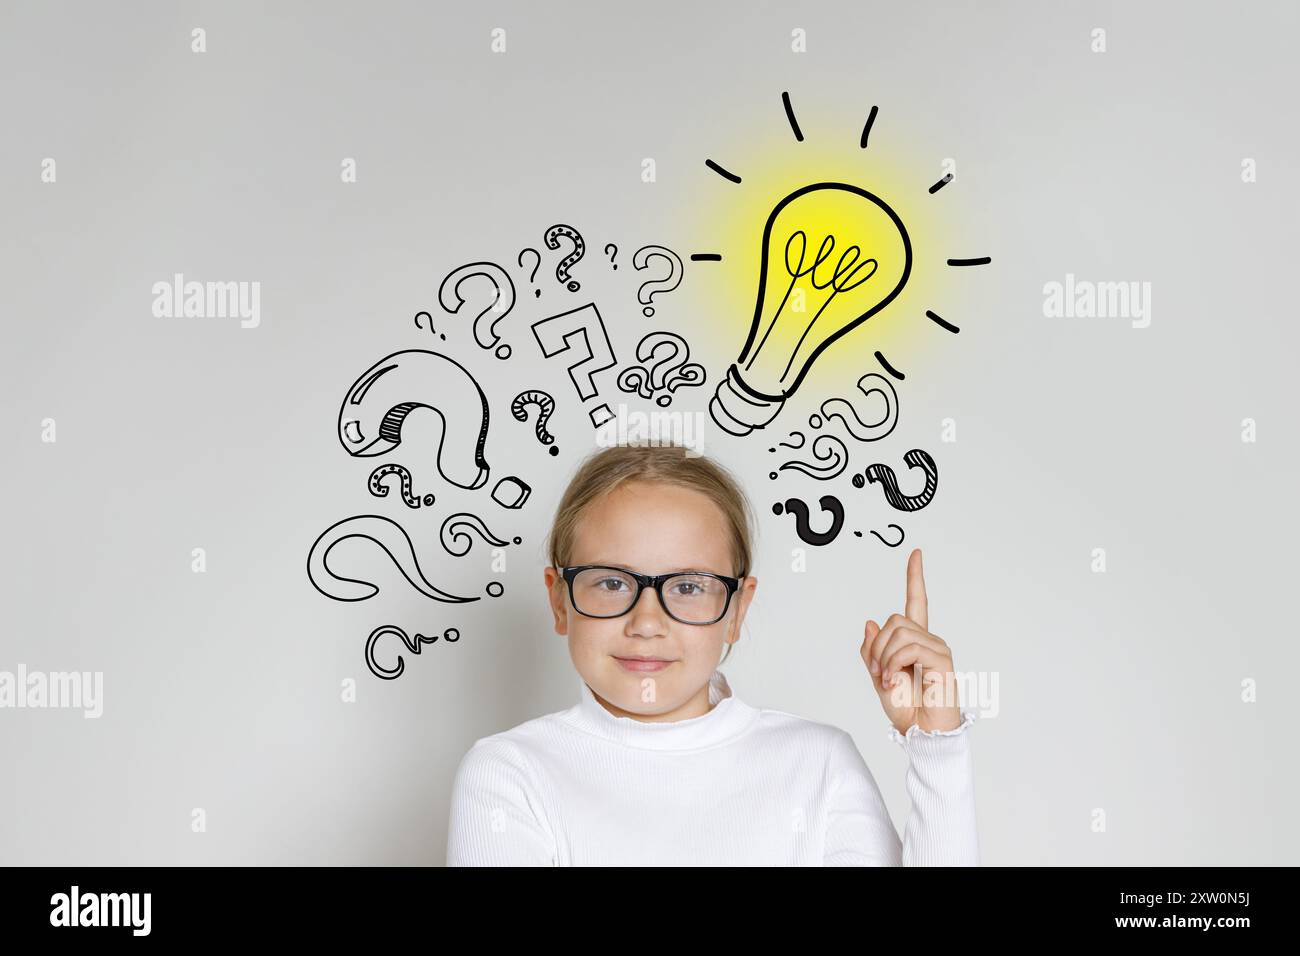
{"type": "Point", "coordinates": [643, 664]}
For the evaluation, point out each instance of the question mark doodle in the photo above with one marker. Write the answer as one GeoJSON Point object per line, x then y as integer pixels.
{"type": "Point", "coordinates": [668, 374]}
{"type": "Point", "coordinates": [378, 403]}
{"type": "Point", "coordinates": [391, 538]}
{"type": "Point", "coordinates": [453, 533]}
{"type": "Point", "coordinates": [641, 259]}
{"type": "Point", "coordinates": [451, 635]}
{"type": "Point", "coordinates": [580, 330]}
{"type": "Point", "coordinates": [379, 490]}
{"type": "Point", "coordinates": [825, 448]}
{"type": "Point", "coordinates": [545, 406]}
{"type": "Point", "coordinates": [845, 411]}
{"type": "Point", "coordinates": [787, 445]}
{"type": "Point", "coordinates": [500, 303]}
{"type": "Point", "coordinates": [916, 458]}
{"type": "Point", "coordinates": [532, 275]}
{"type": "Point", "coordinates": [431, 328]}
{"type": "Point", "coordinates": [568, 262]}
{"type": "Point", "coordinates": [799, 508]}
{"type": "Point", "coordinates": [894, 544]}
{"type": "Point", "coordinates": [612, 250]}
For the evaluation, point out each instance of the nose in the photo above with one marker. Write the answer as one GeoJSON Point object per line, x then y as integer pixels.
{"type": "Point", "coordinates": [647, 617]}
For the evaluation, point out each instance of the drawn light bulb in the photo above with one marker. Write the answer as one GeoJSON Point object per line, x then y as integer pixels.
{"type": "Point", "coordinates": [833, 256]}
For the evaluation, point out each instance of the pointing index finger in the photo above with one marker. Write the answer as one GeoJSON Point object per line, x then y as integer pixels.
{"type": "Point", "coordinates": [917, 607]}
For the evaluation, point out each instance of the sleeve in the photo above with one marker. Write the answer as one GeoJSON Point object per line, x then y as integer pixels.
{"type": "Point", "coordinates": [497, 817]}
{"type": "Point", "coordinates": [941, 827]}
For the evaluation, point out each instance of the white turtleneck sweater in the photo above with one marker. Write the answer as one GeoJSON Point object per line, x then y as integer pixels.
{"type": "Point", "coordinates": [738, 786]}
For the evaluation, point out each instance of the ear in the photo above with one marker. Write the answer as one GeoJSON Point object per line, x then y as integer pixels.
{"type": "Point", "coordinates": [741, 600]}
{"type": "Point", "coordinates": [558, 596]}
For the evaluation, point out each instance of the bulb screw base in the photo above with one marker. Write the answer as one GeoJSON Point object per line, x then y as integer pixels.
{"type": "Point", "coordinates": [737, 409]}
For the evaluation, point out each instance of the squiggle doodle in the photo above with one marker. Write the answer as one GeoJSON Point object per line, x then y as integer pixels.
{"type": "Point", "coordinates": [788, 444]}
{"type": "Point", "coordinates": [825, 448]}
{"type": "Point", "coordinates": [799, 508]}
{"type": "Point", "coordinates": [451, 635]}
{"type": "Point", "coordinates": [392, 538]}
{"type": "Point", "coordinates": [545, 406]}
{"type": "Point", "coordinates": [667, 374]}
{"type": "Point", "coordinates": [568, 262]}
{"type": "Point", "coordinates": [458, 541]}
{"type": "Point", "coordinates": [379, 490]}
{"type": "Point", "coordinates": [845, 410]}
{"type": "Point", "coordinates": [916, 458]}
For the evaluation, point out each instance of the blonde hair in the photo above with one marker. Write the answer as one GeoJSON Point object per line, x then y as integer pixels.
{"type": "Point", "coordinates": [607, 469]}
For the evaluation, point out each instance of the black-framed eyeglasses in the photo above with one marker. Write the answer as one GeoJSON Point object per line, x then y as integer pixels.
{"type": "Point", "coordinates": [689, 597]}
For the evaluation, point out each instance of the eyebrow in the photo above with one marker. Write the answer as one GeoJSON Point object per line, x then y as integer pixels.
{"type": "Point", "coordinates": [681, 570]}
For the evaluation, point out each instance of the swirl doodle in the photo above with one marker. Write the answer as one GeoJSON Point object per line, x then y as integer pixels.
{"type": "Point", "coordinates": [450, 635]}
{"type": "Point", "coordinates": [825, 448]}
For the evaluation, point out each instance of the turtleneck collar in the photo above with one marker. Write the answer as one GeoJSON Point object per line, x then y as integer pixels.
{"type": "Point", "coordinates": [729, 718]}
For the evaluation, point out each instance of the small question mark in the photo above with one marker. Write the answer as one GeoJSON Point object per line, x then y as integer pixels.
{"type": "Point", "coordinates": [545, 406]}
{"type": "Point", "coordinates": [568, 262]}
{"type": "Point", "coordinates": [532, 275]}
{"type": "Point", "coordinates": [641, 259]}
{"type": "Point", "coordinates": [458, 541]}
{"type": "Point", "coordinates": [799, 508]}
{"type": "Point", "coordinates": [916, 458]}
{"type": "Point", "coordinates": [431, 328]}
{"type": "Point", "coordinates": [612, 251]}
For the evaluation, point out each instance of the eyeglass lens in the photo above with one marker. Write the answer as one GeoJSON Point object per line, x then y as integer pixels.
{"type": "Point", "coordinates": [692, 598]}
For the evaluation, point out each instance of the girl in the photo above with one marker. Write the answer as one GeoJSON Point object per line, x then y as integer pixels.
{"type": "Point", "coordinates": [659, 763]}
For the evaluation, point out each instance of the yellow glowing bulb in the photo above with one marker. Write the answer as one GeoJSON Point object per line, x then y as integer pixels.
{"type": "Point", "coordinates": [833, 256]}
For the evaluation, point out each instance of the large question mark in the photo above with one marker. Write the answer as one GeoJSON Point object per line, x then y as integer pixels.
{"type": "Point", "coordinates": [641, 259]}
{"type": "Point", "coordinates": [568, 262]}
{"type": "Point", "coordinates": [376, 406]}
{"type": "Point", "coordinates": [395, 542]}
{"type": "Point", "coordinates": [612, 251]}
{"type": "Point", "coordinates": [502, 301]}
{"type": "Point", "coordinates": [581, 331]}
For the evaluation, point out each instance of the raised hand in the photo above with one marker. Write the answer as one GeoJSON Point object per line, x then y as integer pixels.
{"type": "Point", "coordinates": [911, 668]}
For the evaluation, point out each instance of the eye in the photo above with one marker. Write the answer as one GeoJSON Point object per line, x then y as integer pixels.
{"type": "Point", "coordinates": [689, 588]}
{"type": "Point", "coordinates": [616, 583]}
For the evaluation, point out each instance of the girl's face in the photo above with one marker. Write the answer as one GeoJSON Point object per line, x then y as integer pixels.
{"type": "Point", "coordinates": [651, 528]}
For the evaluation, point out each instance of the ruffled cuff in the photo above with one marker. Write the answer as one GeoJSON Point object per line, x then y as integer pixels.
{"type": "Point", "coordinates": [967, 718]}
